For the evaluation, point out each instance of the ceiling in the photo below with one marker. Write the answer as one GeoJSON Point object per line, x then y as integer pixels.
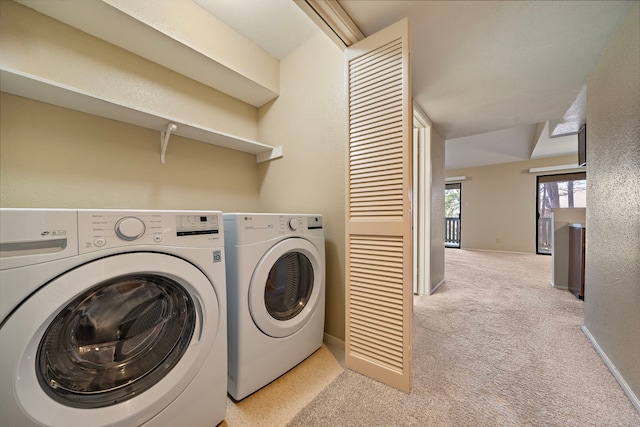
{"type": "Point", "coordinates": [277, 26]}
{"type": "Point", "coordinates": [489, 74]}
{"type": "Point", "coordinates": [496, 78]}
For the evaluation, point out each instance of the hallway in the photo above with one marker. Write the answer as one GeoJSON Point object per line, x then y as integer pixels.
{"type": "Point", "coordinates": [495, 345]}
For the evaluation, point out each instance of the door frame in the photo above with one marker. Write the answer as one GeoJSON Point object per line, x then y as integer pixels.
{"type": "Point", "coordinates": [421, 202]}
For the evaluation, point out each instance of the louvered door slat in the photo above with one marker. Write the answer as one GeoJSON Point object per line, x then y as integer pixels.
{"type": "Point", "coordinates": [379, 286]}
{"type": "Point", "coordinates": [383, 306]}
{"type": "Point", "coordinates": [378, 334]}
{"type": "Point", "coordinates": [374, 105]}
{"type": "Point", "coordinates": [374, 57]}
{"type": "Point", "coordinates": [375, 145]}
{"type": "Point", "coordinates": [386, 92]}
{"type": "Point", "coordinates": [363, 272]}
{"type": "Point", "coordinates": [388, 135]}
{"type": "Point", "coordinates": [374, 321]}
{"type": "Point", "coordinates": [379, 65]}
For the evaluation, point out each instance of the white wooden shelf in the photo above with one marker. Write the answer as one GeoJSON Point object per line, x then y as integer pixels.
{"type": "Point", "coordinates": [39, 89]}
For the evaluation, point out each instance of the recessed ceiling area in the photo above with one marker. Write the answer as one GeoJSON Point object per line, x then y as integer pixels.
{"type": "Point", "coordinates": [490, 147]}
{"type": "Point", "coordinates": [277, 26]}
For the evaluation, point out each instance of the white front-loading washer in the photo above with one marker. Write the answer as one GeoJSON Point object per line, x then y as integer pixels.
{"type": "Point", "coordinates": [275, 295]}
{"type": "Point", "coordinates": [112, 318]}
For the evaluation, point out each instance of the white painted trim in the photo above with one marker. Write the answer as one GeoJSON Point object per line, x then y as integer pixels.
{"type": "Point", "coordinates": [415, 198]}
{"type": "Point", "coordinates": [332, 19]}
{"type": "Point", "coordinates": [422, 211]}
{"type": "Point", "coordinates": [623, 384]}
{"type": "Point", "coordinates": [557, 168]}
{"type": "Point", "coordinates": [247, 72]}
{"type": "Point", "coordinates": [436, 287]}
{"type": "Point", "coordinates": [455, 179]}
{"type": "Point", "coordinates": [274, 153]}
{"type": "Point", "coordinates": [41, 89]}
{"type": "Point", "coordinates": [493, 250]}
{"type": "Point", "coordinates": [420, 118]}
{"type": "Point", "coordinates": [560, 287]}
{"type": "Point", "coordinates": [333, 341]}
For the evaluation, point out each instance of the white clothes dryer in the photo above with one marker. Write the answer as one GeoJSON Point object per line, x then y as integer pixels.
{"type": "Point", "coordinates": [275, 295]}
{"type": "Point", "coordinates": [112, 317]}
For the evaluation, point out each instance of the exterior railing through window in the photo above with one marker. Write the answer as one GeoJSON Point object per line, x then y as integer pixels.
{"type": "Point", "coordinates": [452, 232]}
{"type": "Point", "coordinates": [545, 227]}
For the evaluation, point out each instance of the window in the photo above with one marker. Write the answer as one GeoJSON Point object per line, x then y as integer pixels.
{"type": "Point", "coordinates": [452, 204]}
{"type": "Point", "coordinates": [557, 191]}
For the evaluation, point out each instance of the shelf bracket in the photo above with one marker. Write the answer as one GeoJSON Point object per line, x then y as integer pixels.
{"type": "Point", "coordinates": [164, 140]}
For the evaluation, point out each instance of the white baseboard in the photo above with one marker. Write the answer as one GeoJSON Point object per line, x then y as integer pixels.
{"type": "Point", "coordinates": [502, 252]}
{"type": "Point", "coordinates": [623, 384]}
{"type": "Point", "coordinates": [437, 286]}
{"type": "Point", "coordinates": [333, 341]}
{"type": "Point", "coordinates": [562, 287]}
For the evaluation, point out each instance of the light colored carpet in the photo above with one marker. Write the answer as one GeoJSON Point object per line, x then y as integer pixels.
{"type": "Point", "coordinates": [496, 345]}
{"type": "Point", "coordinates": [278, 402]}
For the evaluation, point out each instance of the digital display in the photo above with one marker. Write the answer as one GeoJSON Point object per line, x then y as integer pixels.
{"type": "Point", "coordinates": [314, 223]}
{"type": "Point", "coordinates": [189, 225]}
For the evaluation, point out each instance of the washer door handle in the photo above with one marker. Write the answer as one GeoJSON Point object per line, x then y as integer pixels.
{"type": "Point", "coordinates": [200, 321]}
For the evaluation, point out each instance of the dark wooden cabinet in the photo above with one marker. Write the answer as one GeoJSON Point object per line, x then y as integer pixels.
{"type": "Point", "coordinates": [576, 259]}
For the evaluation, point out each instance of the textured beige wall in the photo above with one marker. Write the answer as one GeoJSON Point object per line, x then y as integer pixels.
{"type": "Point", "coordinates": [36, 44]}
{"type": "Point", "coordinates": [499, 205]}
{"type": "Point", "coordinates": [437, 209]}
{"type": "Point", "coordinates": [309, 121]}
{"type": "Point", "coordinates": [612, 275]}
{"type": "Point", "coordinates": [53, 157]}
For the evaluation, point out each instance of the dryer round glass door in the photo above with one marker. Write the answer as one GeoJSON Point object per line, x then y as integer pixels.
{"type": "Point", "coordinates": [286, 287]}
{"type": "Point", "coordinates": [116, 339]}
{"type": "Point", "coordinates": [289, 286]}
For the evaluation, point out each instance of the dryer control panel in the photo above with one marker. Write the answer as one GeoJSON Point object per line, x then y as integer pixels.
{"type": "Point", "coordinates": [247, 228]}
{"type": "Point", "coordinates": [300, 223]}
{"type": "Point", "coordinates": [115, 228]}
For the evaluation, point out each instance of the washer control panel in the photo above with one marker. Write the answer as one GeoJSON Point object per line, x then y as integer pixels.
{"type": "Point", "coordinates": [190, 225]}
{"type": "Point", "coordinates": [114, 228]}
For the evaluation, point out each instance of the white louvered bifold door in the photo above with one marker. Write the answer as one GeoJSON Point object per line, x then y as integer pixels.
{"type": "Point", "coordinates": [378, 224]}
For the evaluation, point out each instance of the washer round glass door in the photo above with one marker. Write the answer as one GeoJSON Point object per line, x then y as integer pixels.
{"type": "Point", "coordinates": [116, 339]}
{"type": "Point", "coordinates": [286, 287]}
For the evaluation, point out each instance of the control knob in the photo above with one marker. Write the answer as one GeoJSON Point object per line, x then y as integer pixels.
{"type": "Point", "coordinates": [130, 228]}
{"type": "Point", "coordinates": [294, 224]}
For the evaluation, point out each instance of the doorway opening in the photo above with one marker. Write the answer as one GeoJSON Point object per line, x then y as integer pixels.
{"type": "Point", "coordinates": [556, 191]}
{"type": "Point", "coordinates": [452, 213]}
